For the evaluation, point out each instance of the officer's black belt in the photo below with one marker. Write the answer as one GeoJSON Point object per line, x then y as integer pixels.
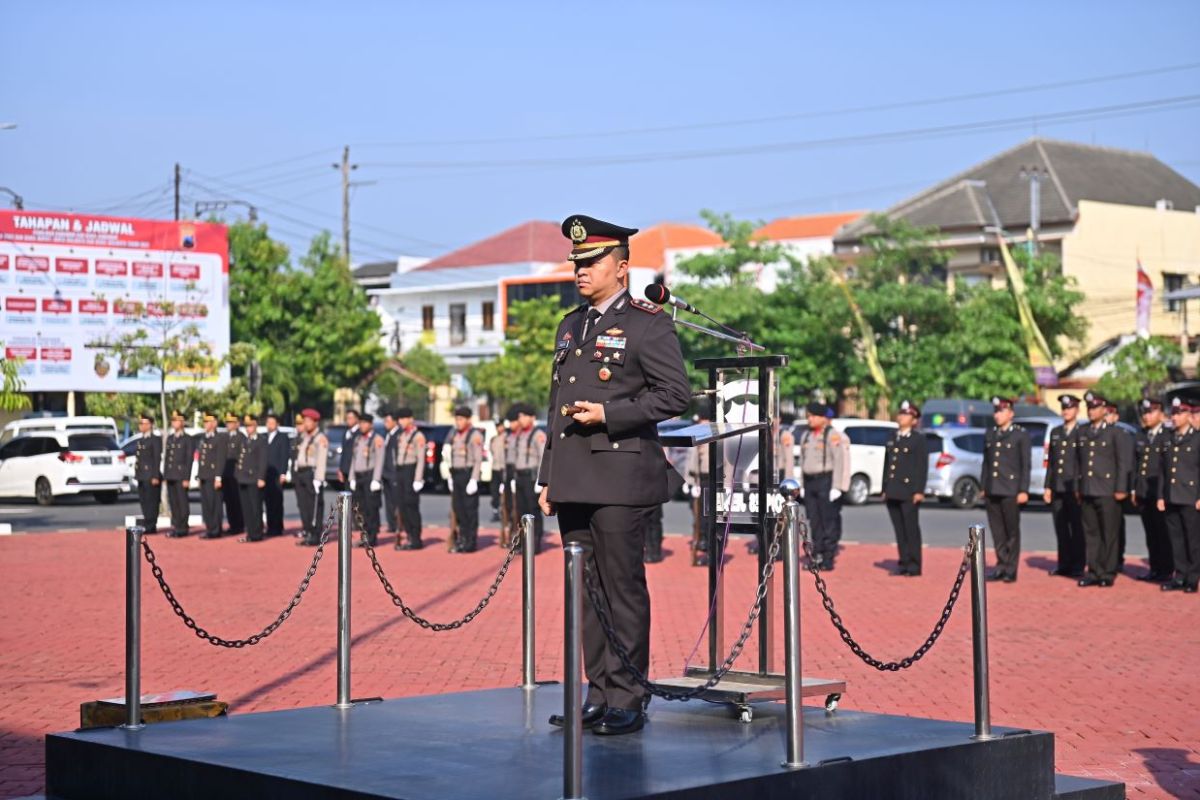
{"type": "Point", "coordinates": [817, 474]}
{"type": "Point", "coordinates": [525, 473]}
{"type": "Point", "coordinates": [303, 469]}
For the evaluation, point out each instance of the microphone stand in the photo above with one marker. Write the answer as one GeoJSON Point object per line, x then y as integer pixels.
{"type": "Point", "coordinates": [742, 341]}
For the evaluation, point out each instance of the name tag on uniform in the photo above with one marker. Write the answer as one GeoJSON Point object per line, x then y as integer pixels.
{"type": "Point", "coordinates": [612, 342]}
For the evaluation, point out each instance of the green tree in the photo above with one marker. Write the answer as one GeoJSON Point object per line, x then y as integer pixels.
{"type": "Point", "coordinates": [310, 326]}
{"type": "Point", "coordinates": [1143, 364]}
{"type": "Point", "coordinates": [522, 373]}
{"type": "Point", "coordinates": [12, 396]}
{"type": "Point", "coordinates": [426, 368]}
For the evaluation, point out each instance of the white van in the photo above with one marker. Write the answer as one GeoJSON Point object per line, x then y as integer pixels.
{"type": "Point", "coordinates": [24, 427]}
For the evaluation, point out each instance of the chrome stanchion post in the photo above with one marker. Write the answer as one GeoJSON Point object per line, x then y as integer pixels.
{"type": "Point", "coordinates": [345, 548]}
{"type": "Point", "coordinates": [793, 676]}
{"type": "Point", "coordinates": [979, 631]}
{"type": "Point", "coordinates": [572, 685]}
{"type": "Point", "coordinates": [529, 551]}
{"type": "Point", "coordinates": [133, 628]}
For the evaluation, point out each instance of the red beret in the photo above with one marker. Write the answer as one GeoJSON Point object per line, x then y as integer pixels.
{"type": "Point", "coordinates": [311, 413]}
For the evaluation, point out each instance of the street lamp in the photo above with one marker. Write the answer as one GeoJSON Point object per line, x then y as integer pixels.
{"type": "Point", "coordinates": [18, 201]}
{"type": "Point", "coordinates": [1034, 175]}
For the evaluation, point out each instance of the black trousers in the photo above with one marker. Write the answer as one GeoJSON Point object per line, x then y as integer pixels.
{"type": "Point", "coordinates": [907, 525]}
{"type": "Point", "coordinates": [1004, 518]}
{"type": "Point", "coordinates": [527, 503]}
{"type": "Point", "coordinates": [824, 515]}
{"type": "Point", "coordinates": [613, 538]}
{"type": "Point", "coordinates": [368, 505]}
{"type": "Point", "coordinates": [1158, 541]}
{"type": "Point", "coordinates": [148, 500]}
{"type": "Point", "coordinates": [1183, 525]}
{"type": "Point", "coordinates": [1067, 514]}
{"type": "Point", "coordinates": [233, 499]}
{"type": "Point", "coordinates": [310, 502]}
{"type": "Point", "coordinates": [273, 502]}
{"type": "Point", "coordinates": [391, 502]}
{"type": "Point", "coordinates": [1102, 533]}
{"type": "Point", "coordinates": [177, 501]}
{"type": "Point", "coordinates": [251, 499]}
{"type": "Point", "coordinates": [408, 502]}
{"type": "Point", "coordinates": [654, 531]}
{"type": "Point", "coordinates": [466, 509]}
{"type": "Point", "coordinates": [210, 507]}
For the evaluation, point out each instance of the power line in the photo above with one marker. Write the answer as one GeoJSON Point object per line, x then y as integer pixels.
{"type": "Point", "coordinates": [909, 134]}
{"type": "Point", "coordinates": [918, 103]}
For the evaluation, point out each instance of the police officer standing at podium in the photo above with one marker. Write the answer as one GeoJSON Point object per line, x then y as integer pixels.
{"type": "Point", "coordinates": [618, 372]}
{"type": "Point", "coordinates": [1006, 486]}
{"type": "Point", "coordinates": [905, 471]}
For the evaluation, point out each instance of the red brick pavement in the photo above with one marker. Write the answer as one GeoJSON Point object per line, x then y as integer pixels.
{"type": "Point", "coordinates": [1114, 673]}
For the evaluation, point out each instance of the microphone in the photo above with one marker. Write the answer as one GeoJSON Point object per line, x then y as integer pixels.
{"type": "Point", "coordinates": [657, 293]}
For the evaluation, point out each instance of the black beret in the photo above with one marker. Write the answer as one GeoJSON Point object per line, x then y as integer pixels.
{"type": "Point", "coordinates": [364, 417]}
{"type": "Point", "coordinates": [820, 409]}
{"type": "Point", "coordinates": [463, 411]}
{"type": "Point", "coordinates": [513, 412]}
{"type": "Point", "coordinates": [403, 412]}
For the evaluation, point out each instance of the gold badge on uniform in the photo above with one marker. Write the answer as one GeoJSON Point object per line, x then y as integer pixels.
{"type": "Point", "coordinates": [578, 232]}
{"type": "Point", "coordinates": [615, 332]}
{"type": "Point", "coordinates": [605, 373]}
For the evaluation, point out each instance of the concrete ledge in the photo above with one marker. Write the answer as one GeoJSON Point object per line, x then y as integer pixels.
{"type": "Point", "coordinates": [194, 521]}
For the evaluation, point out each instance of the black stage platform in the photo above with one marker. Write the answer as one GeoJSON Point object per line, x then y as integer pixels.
{"type": "Point", "coordinates": [496, 745]}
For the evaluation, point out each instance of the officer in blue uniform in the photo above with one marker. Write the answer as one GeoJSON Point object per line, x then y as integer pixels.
{"type": "Point", "coordinates": [618, 372]}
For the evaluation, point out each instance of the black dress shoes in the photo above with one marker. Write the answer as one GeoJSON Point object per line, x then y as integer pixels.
{"type": "Point", "coordinates": [619, 721]}
{"type": "Point", "coordinates": [1009, 578]}
{"type": "Point", "coordinates": [1093, 580]}
{"type": "Point", "coordinates": [1191, 588]}
{"type": "Point", "coordinates": [591, 715]}
{"type": "Point", "coordinates": [996, 575]}
{"type": "Point", "coordinates": [1173, 586]}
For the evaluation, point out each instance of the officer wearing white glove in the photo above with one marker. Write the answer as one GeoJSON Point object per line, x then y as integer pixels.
{"type": "Point", "coordinates": [472, 486]}
{"type": "Point", "coordinates": [376, 486]}
{"type": "Point", "coordinates": [824, 474]}
{"type": "Point", "coordinates": [466, 459]}
{"type": "Point", "coordinates": [695, 491]}
{"type": "Point", "coordinates": [418, 485]}
{"type": "Point", "coordinates": [353, 485]}
{"type": "Point", "coordinates": [834, 494]}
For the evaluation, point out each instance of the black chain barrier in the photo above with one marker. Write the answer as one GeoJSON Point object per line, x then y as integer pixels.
{"type": "Point", "coordinates": [919, 653]}
{"type": "Point", "coordinates": [217, 641]}
{"type": "Point", "coordinates": [597, 601]}
{"type": "Point", "coordinates": [438, 627]}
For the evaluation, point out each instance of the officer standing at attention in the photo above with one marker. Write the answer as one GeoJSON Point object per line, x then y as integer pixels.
{"type": "Point", "coordinates": [528, 448]}
{"type": "Point", "coordinates": [312, 456]}
{"type": "Point", "coordinates": [1005, 486]}
{"type": "Point", "coordinates": [366, 473]}
{"type": "Point", "coordinates": [251, 479]}
{"type": "Point", "coordinates": [1062, 488]}
{"type": "Point", "coordinates": [210, 456]}
{"type": "Point", "coordinates": [410, 477]}
{"type": "Point", "coordinates": [1105, 466]}
{"type": "Point", "coordinates": [510, 470]}
{"type": "Point", "coordinates": [391, 486]}
{"type": "Point", "coordinates": [905, 471]}
{"type": "Point", "coordinates": [279, 451]}
{"type": "Point", "coordinates": [466, 459]}
{"type": "Point", "coordinates": [1148, 490]}
{"type": "Point", "coordinates": [1127, 441]}
{"type": "Point", "coordinates": [234, 441]}
{"type": "Point", "coordinates": [618, 372]}
{"type": "Point", "coordinates": [824, 477]}
{"type": "Point", "coordinates": [347, 453]}
{"type": "Point", "coordinates": [148, 472]}
{"type": "Point", "coordinates": [1181, 497]}
{"type": "Point", "coordinates": [177, 471]}
{"type": "Point", "coordinates": [785, 449]}
{"type": "Point", "coordinates": [496, 449]}
{"type": "Point", "coordinates": [697, 477]}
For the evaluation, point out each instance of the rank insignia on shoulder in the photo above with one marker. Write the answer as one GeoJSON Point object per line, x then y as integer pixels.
{"type": "Point", "coordinates": [645, 305]}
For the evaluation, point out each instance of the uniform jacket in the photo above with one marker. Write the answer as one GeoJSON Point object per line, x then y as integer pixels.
{"type": "Point", "coordinates": [367, 455]}
{"type": "Point", "coordinates": [1006, 461]}
{"type": "Point", "coordinates": [210, 453]}
{"type": "Point", "coordinates": [177, 459]}
{"type": "Point", "coordinates": [496, 452]}
{"type": "Point", "coordinates": [785, 454]}
{"type": "Point", "coordinates": [1105, 460]}
{"type": "Point", "coordinates": [312, 452]}
{"type": "Point", "coordinates": [905, 465]}
{"type": "Point", "coordinates": [389, 453]}
{"type": "Point", "coordinates": [149, 458]}
{"type": "Point", "coordinates": [528, 449]}
{"type": "Point", "coordinates": [252, 459]}
{"type": "Point", "coordinates": [1062, 459]}
{"type": "Point", "coordinates": [233, 446]}
{"type": "Point", "coordinates": [466, 450]}
{"type": "Point", "coordinates": [1181, 467]}
{"type": "Point", "coordinates": [619, 462]}
{"type": "Point", "coordinates": [279, 452]}
{"type": "Point", "coordinates": [697, 464]}
{"type": "Point", "coordinates": [347, 456]}
{"type": "Point", "coordinates": [828, 451]}
{"type": "Point", "coordinates": [1147, 480]}
{"type": "Point", "coordinates": [410, 451]}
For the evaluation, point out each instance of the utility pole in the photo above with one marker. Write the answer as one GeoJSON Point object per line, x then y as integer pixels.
{"type": "Point", "coordinates": [346, 168]}
{"type": "Point", "coordinates": [177, 191]}
{"type": "Point", "coordinates": [1034, 175]}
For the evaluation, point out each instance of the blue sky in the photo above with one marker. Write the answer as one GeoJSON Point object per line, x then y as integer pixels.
{"type": "Point", "coordinates": [467, 118]}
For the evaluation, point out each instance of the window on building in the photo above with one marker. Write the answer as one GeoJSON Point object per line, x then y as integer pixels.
{"type": "Point", "coordinates": [989, 255]}
{"type": "Point", "coordinates": [1172, 281]}
{"type": "Point", "coordinates": [426, 318]}
{"type": "Point", "coordinates": [489, 315]}
{"type": "Point", "coordinates": [458, 324]}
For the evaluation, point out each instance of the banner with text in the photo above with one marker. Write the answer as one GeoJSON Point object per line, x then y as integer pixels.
{"type": "Point", "coordinates": [72, 283]}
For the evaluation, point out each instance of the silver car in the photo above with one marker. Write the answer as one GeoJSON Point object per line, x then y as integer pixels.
{"type": "Point", "coordinates": [955, 464]}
